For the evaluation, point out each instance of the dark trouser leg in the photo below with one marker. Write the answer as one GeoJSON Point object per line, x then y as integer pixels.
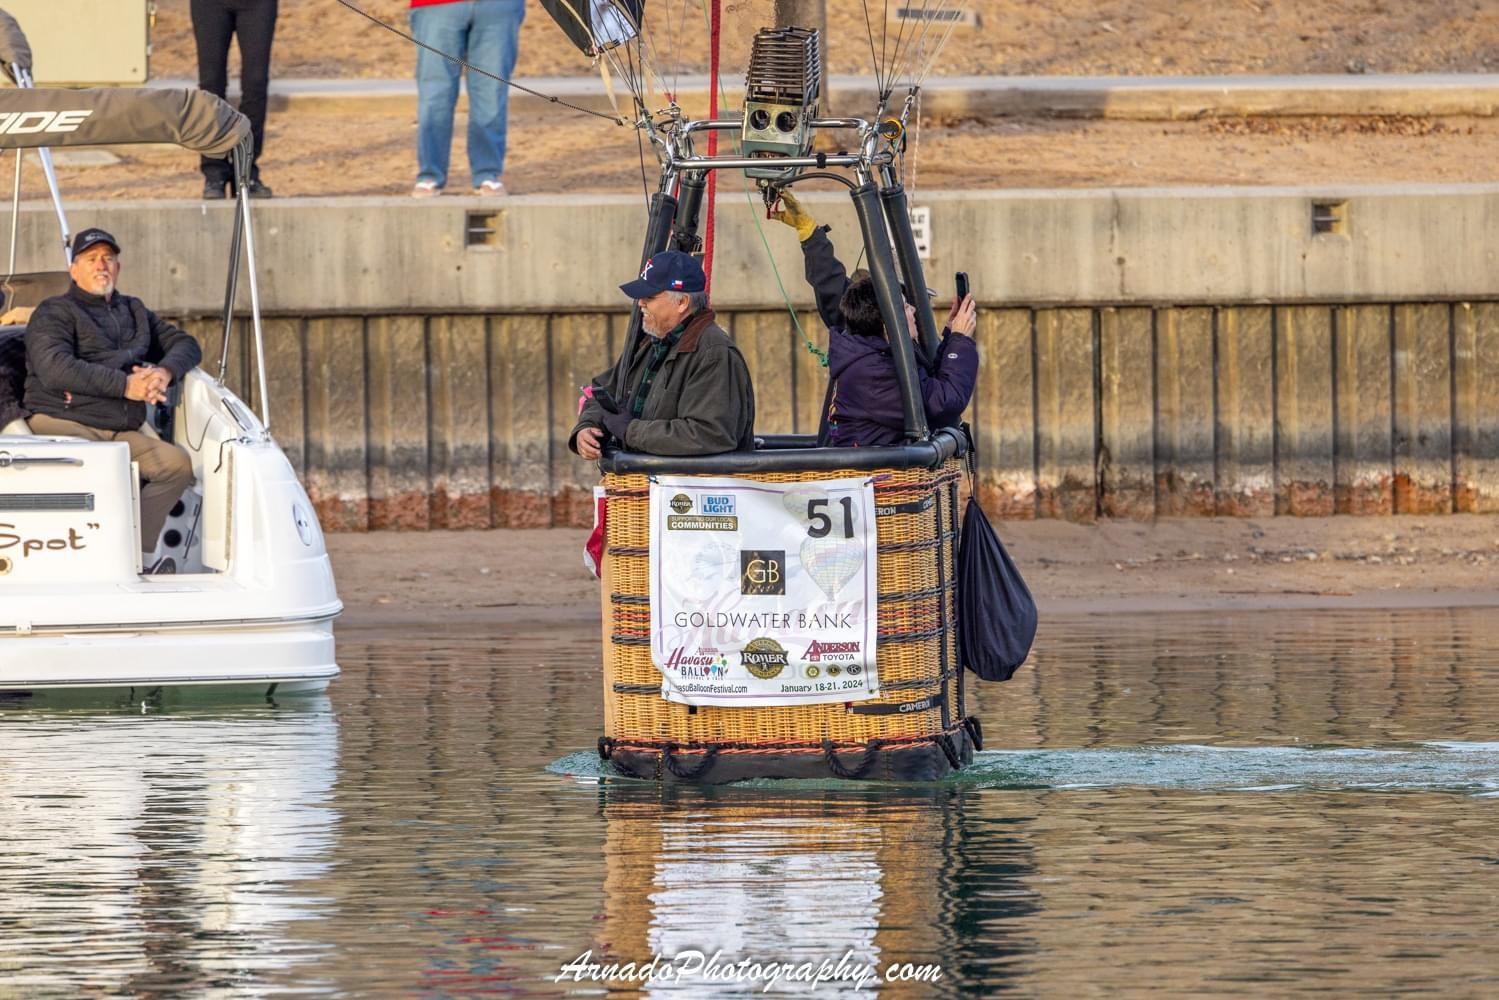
{"type": "Point", "coordinates": [256, 27]}
{"type": "Point", "coordinates": [213, 27]}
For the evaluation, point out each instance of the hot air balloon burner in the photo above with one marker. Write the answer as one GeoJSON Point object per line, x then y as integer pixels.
{"type": "Point", "coordinates": [780, 96]}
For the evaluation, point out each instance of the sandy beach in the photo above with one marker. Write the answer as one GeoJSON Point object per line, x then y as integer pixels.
{"type": "Point", "coordinates": [536, 578]}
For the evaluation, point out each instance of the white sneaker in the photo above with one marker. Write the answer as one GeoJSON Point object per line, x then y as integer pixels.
{"type": "Point", "coordinates": [426, 189]}
{"type": "Point", "coordinates": [494, 187]}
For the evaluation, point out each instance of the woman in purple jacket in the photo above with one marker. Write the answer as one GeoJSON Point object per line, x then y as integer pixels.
{"type": "Point", "coordinates": [863, 404]}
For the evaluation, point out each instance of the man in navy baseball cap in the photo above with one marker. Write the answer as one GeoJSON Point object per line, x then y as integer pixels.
{"type": "Point", "coordinates": [667, 271]}
{"type": "Point", "coordinates": [684, 389]}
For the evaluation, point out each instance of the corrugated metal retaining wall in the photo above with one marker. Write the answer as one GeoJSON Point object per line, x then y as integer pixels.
{"type": "Point", "coordinates": [415, 422]}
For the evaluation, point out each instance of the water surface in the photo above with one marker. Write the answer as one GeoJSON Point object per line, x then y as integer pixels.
{"type": "Point", "coordinates": [1255, 804]}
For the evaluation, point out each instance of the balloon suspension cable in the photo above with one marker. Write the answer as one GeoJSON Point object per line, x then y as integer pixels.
{"type": "Point", "coordinates": [912, 56]}
{"type": "Point", "coordinates": [616, 119]}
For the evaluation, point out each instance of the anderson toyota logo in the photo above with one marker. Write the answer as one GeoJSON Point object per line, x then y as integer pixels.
{"type": "Point", "coordinates": [765, 658]}
{"type": "Point", "coordinates": [31, 122]}
{"type": "Point", "coordinates": [830, 650]}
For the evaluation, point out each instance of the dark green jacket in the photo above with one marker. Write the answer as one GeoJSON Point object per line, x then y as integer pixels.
{"type": "Point", "coordinates": [701, 402]}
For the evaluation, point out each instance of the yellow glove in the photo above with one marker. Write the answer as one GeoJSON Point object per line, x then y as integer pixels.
{"type": "Point", "coordinates": [793, 215]}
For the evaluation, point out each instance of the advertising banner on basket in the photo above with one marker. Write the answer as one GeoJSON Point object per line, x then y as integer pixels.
{"type": "Point", "coordinates": [764, 593]}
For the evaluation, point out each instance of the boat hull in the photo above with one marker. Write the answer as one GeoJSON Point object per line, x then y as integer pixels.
{"type": "Point", "coordinates": [292, 657]}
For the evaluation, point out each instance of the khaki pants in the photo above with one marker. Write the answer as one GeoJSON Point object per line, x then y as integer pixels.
{"type": "Point", "coordinates": [166, 470]}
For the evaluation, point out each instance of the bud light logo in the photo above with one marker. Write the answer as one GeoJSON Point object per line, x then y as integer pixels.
{"type": "Point", "coordinates": [717, 504]}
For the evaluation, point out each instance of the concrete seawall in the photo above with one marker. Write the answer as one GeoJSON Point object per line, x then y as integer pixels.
{"type": "Point", "coordinates": [1184, 352]}
{"type": "Point", "coordinates": [459, 421]}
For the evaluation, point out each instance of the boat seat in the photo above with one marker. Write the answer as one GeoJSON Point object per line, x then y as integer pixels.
{"type": "Point", "coordinates": [19, 426]}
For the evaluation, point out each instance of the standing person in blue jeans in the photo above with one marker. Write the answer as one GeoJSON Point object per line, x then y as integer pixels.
{"type": "Point", "coordinates": [484, 33]}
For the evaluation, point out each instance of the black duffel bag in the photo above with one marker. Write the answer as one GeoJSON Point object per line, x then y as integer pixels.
{"type": "Point", "coordinates": [996, 613]}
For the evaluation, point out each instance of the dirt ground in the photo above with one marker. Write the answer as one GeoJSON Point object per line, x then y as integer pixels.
{"type": "Point", "coordinates": [318, 155]}
{"type": "Point", "coordinates": [530, 577]}
{"type": "Point", "coordinates": [329, 155]}
{"type": "Point", "coordinates": [322, 38]}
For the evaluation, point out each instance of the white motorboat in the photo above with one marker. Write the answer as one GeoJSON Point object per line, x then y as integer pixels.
{"type": "Point", "coordinates": [252, 599]}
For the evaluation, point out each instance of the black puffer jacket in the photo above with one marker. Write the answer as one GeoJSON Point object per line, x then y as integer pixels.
{"type": "Point", "coordinates": [80, 348]}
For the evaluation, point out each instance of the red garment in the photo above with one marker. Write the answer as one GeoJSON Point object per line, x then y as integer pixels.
{"type": "Point", "coordinates": [593, 549]}
{"type": "Point", "coordinates": [431, 3]}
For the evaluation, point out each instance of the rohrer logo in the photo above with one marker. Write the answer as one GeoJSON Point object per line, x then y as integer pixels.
{"type": "Point", "coordinates": [762, 571]}
{"type": "Point", "coordinates": [765, 658]}
{"type": "Point", "coordinates": [681, 503]}
{"type": "Point", "coordinates": [832, 650]}
{"type": "Point", "coordinates": [31, 122]}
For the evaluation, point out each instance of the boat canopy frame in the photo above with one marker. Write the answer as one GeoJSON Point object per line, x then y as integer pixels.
{"type": "Point", "coordinates": [195, 120]}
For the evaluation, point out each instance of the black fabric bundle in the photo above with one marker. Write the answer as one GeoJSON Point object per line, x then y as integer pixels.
{"type": "Point", "coordinates": [996, 614]}
{"type": "Point", "coordinates": [12, 375]}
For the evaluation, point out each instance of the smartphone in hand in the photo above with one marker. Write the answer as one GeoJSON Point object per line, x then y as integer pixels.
{"type": "Point", "coordinates": [960, 286]}
{"type": "Point", "coordinates": [605, 398]}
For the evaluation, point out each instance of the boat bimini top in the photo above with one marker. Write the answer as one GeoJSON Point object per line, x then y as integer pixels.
{"type": "Point", "coordinates": [38, 118]}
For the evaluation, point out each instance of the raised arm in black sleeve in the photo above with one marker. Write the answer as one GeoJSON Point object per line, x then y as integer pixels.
{"type": "Point", "coordinates": [826, 275]}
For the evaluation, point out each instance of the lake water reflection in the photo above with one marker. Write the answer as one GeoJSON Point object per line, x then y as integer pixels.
{"type": "Point", "coordinates": [1258, 804]}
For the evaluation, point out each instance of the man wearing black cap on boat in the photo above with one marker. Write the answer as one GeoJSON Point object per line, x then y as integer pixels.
{"type": "Point", "coordinates": [95, 357]}
{"type": "Point", "coordinates": [685, 389]}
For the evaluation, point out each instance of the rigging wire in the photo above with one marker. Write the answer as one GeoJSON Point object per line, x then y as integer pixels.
{"type": "Point", "coordinates": [925, 15]}
{"type": "Point", "coordinates": [895, 59]}
{"type": "Point", "coordinates": [874, 60]}
{"type": "Point", "coordinates": [651, 63]}
{"type": "Point", "coordinates": [624, 63]}
{"type": "Point", "coordinates": [915, 146]}
{"type": "Point", "coordinates": [482, 72]}
{"type": "Point", "coordinates": [931, 61]}
{"type": "Point", "coordinates": [884, 37]}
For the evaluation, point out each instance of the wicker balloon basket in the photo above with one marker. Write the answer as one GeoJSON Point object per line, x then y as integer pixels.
{"type": "Point", "coordinates": [917, 729]}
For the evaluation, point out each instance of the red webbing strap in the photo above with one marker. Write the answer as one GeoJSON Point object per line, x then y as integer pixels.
{"type": "Point", "coordinates": [714, 25]}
